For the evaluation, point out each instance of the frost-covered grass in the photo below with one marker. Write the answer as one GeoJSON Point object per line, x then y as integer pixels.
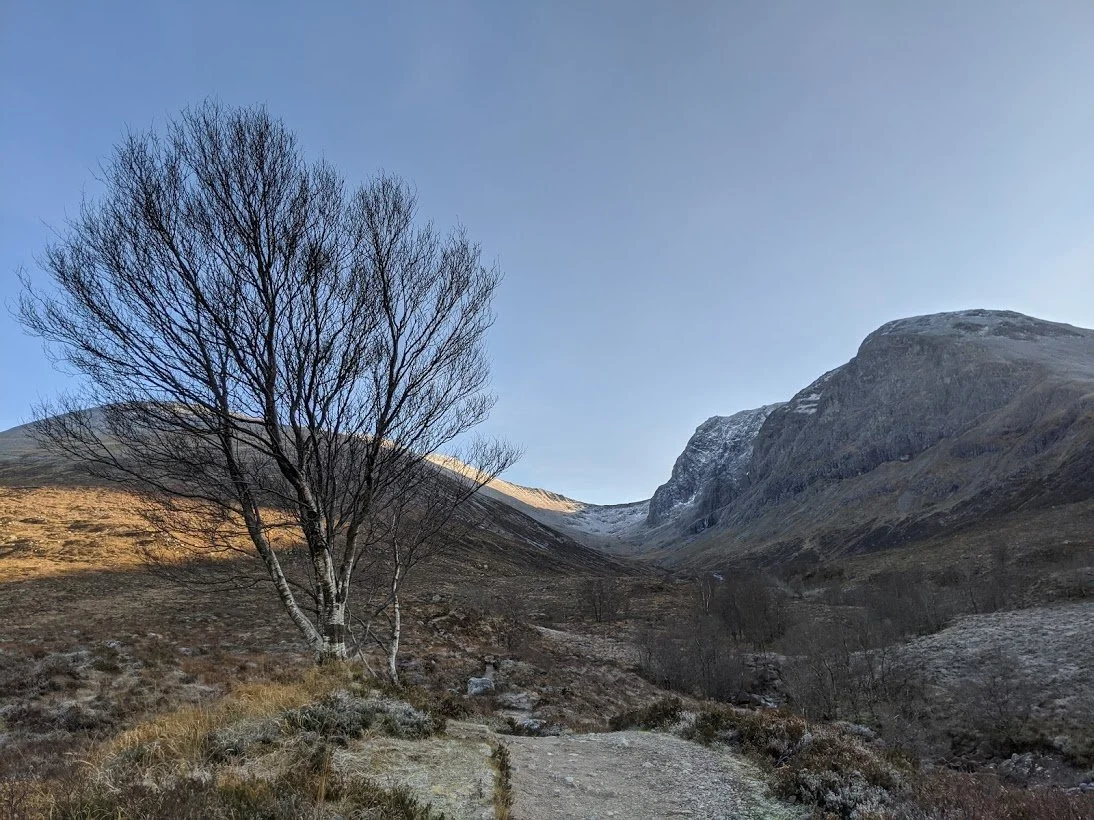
{"type": "Point", "coordinates": [1013, 679]}
{"type": "Point", "coordinates": [266, 750]}
{"type": "Point", "coordinates": [840, 770]}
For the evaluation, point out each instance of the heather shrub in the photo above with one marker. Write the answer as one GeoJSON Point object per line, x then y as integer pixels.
{"type": "Point", "coordinates": [839, 774]}
{"type": "Point", "coordinates": [343, 715]}
{"type": "Point", "coordinates": [770, 735]}
{"type": "Point", "coordinates": [658, 715]}
{"type": "Point", "coordinates": [236, 739]}
{"type": "Point", "coordinates": [300, 792]}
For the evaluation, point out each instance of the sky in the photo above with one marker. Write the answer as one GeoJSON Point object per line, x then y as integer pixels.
{"type": "Point", "coordinates": [698, 207]}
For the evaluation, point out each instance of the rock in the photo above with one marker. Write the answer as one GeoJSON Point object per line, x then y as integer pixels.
{"type": "Point", "coordinates": [757, 701]}
{"type": "Point", "coordinates": [717, 453]}
{"type": "Point", "coordinates": [480, 686]}
{"type": "Point", "coordinates": [518, 701]}
{"type": "Point", "coordinates": [532, 727]}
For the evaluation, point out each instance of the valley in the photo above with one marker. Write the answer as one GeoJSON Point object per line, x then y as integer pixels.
{"type": "Point", "coordinates": [873, 600]}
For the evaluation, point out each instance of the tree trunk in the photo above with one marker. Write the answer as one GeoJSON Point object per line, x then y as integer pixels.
{"type": "Point", "coordinates": [333, 646]}
{"type": "Point", "coordinates": [396, 627]}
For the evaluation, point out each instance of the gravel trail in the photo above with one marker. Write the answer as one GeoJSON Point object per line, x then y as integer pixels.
{"type": "Point", "coordinates": [634, 775]}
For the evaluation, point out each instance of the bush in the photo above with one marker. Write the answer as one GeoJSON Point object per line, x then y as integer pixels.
{"type": "Point", "coordinates": [238, 738]}
{"type": "Point", "coordinates": [302, 792]}
{"type": "Point", "coordinates": [658, 715]}
{"type": "Point", "coordinates": [604, 599]}
{"type": "Point", "coordinates": [89, 800]}
{"type": "Point", "coordinates": [503, 784]}
{"type": "Point", "coordinates": [839, 775]}
{"type": "Point", "coordinates": [342, 715]}
{"type": "Point", "coordinates": [772, 736]}
{"type": "Point", "coordinates": [828, 768]}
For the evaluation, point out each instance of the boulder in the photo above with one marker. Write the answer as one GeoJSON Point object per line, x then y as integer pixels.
{"type": "Point", "coordinates": [480, 686]}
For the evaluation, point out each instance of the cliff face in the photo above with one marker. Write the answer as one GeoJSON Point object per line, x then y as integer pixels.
{"type": "Point", "coordinates": [937, 421]}
{"type": "Point", "coordinates": [711, 470]}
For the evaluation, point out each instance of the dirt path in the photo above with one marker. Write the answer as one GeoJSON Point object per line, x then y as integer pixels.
{"type": "Point", "coordinates": [633, 776]}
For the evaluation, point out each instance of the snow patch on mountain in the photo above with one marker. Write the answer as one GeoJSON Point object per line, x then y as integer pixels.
{"type": "Point", "coordinates": [615, 520]}
{"type": "Point", "coordinates": [721, 445]}
{"type": "Point", "coordinates": [999, 323]}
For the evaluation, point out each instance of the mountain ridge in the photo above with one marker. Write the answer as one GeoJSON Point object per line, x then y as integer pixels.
{"type": "Point", "coordinates": [936, 421]}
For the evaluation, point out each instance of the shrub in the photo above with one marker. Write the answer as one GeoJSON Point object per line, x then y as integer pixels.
{"type": "Point", "coordinates": [16, 797]}
{"type": "Point", "coordinates": [238, 738]}
{"type": "Point", "coordinates": [298, 793]}
{"type": "Point", "coordinates": [772, 736]}
{"type": "Point", "coordinates": [830, 769]}
{"type": "Point", "coordinates": [503, 784]}
{"type": "Point", "coordinates": [658, 715]}
{"type": "Point", "coordinates": [343, 715]}
{"type": "Point", "coordinates": [839, 775]}
{"type": "Point", "coordinates": [91, 800]}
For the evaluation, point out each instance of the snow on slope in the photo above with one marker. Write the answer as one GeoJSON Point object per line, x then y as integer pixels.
{"type": "Point", "coordinates": [592, 523]}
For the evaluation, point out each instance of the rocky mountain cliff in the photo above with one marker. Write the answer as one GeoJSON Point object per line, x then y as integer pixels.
{"type": "Point", "coordinates": [712, 470]}
{"type": "Point", "coordinates": [938, 422]}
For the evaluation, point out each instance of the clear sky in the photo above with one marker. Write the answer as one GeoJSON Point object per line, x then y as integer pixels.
{"type": "Point", "coordinates": [699, 207]}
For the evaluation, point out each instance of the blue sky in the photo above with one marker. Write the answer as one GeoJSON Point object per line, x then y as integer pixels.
{"type": "Point", "coordinates": [699, 207]}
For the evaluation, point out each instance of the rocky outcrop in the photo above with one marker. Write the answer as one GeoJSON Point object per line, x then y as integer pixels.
{"type": "Point", "coordinates": [937, 421]}
{"type": "Point", "coordinates": [712, 469]}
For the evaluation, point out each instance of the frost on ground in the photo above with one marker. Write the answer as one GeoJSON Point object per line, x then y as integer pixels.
{"type": "Point", "coordinates": [634, 775]}
{"type": "Point", "coordinates": [1047, 652]}
{"type": "Point", "coordinates": [615, 519]}
{"type": "Point", "coordinates": [452, 773]}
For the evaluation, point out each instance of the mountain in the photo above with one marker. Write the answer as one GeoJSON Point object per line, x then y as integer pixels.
{"type": "Point", "coordinates": [507, 537]}
{"type": "Point", "coordinates": [939, 422]}
{"type": "Point", "coordinates": [712, 470]}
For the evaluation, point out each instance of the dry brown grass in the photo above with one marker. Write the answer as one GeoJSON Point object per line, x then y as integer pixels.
{"type": "Point", "coordinates": [180, 735]}
{"type": "Point", "coordinates": [51, 531]}
{"type": "Point", "coordinates": [56, 531]}
{"type": "Point", "coordinates": [957, 796]}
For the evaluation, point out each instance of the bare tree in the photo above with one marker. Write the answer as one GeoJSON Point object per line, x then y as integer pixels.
{"type": "Point", "coordinates": [265, 348]}
{"type": "Point", "coordinates": [604, 599]}
{"type": "Point", "coordinates": [428, 513]}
